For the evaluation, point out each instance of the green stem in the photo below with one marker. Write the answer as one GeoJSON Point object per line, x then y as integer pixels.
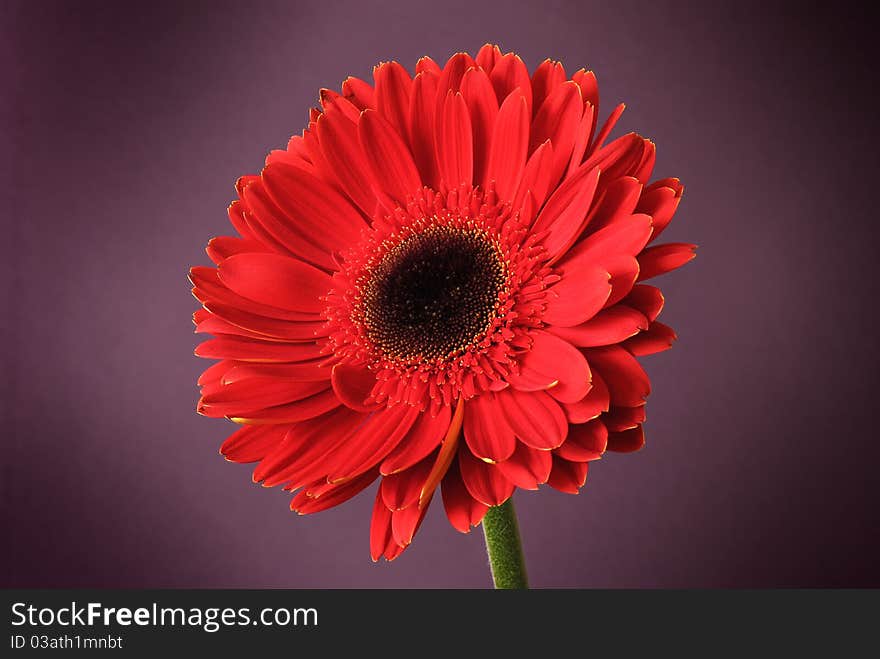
{"type": "Point", "coordinates": [505, 547]}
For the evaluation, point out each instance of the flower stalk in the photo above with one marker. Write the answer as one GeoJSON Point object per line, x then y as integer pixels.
{"type": "Point", "coordinates": [504, 547]}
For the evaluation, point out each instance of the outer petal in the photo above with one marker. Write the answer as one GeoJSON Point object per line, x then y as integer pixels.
{"type": "Point", "coordinates": [425, 436]}
{"type": "Point", "coordinates": [555, 363]}
{"type": "Point", "coordinates": [455, 142]}
{"type": "Point", "coordinates": [353, 386]}
{"type": "Point", "coordinates": [610, 326]}
{"type": "Point", "coordinates": [586, 441]}
{"type": "Point", "coordinates": [661, 259]}
{"type": "Point", "coordinates": [276, 280]}
{"type": "Point", "coordinates": [627, 441]}
{"type": "Point", "coordinates": [598, 400]}
{"type": "Point", "coordinates": [374, 440]}
{"type": "Point", "coordinates": [510, 143]}
{"type": "Point", "coordinates": [483, 109]}
{"type": "Point", "coordinates": [557, 119]}
{"type": "Point", "coordinates": [657, 338]}
{"type": "Point", "coordinates": [421, 126]}
{"type": "Point", "coordinates": [628, 384]}
{"type": "Point", "coordinates": [535, 417]}
{"type": "Point", "coordinates": [252, 443]}
{"type": "Point", "coordinates": [486, 430]}
{"type": "Point", "coordinates": [527, 467]}
{"type": "Point", "coordinates": [508, 74]}
{"type": "Point", "coordinates": [462, 509]}
{"type": "Point", "coordinates": [565, 214]}
{"type": "Point", "coordinates": [578, 296]}
{"type": "Point", "coordinates": [484, 481]}
{"type": "Point", "coordinates": [394, 172]}
{"type": "Point", "coordinates": [567, 476]}
{"type": "Point", "coordinates": [401, 490]}
{"type": "Point", "coordinates": [325, 216]}
{"type": "Point", "coordinates": [339, 144]}
{"type": "Point", "coordinates": [393, 87]}
{"type": "Point", "coordinates": [251, 350]}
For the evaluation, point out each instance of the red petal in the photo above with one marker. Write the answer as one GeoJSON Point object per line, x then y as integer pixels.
{"type": "Point", "coordinates": [421, 125]}
{"type": "Point", "coordinates": [546, 78]}
{"type": "Point", "coordinates": [624, 418]}
{"type": "Point", "coordinates": [664, 258]}
{"type": "Point", "coordinates": [585, 442]}
{"type": "Point", "coordinates": [393, 87]}
{"type": "Point", "coordinates": [558, 119]}
{"type": "Point", "coordinates": [353, 386]}
{"type": "Point", "coordinates": [451, 76]}
{"type": "Point", "coordinates": [423, 438]}
{"type": "Point", "coordinates": [660, 202]}
{"type": "Point", "coordinates": [508, 74]}
{"type": "Point", "coordinates": [577, 297]}
{"type": "Point", "coordinates": [235, 210]}
{"type": "Point", "coordinates": [455, 142]}
{"type": "Point", "coordinates": [536, 176]}
{"type": "Point", "coordinates": [552, 362]}
{"type": "Point", "coordinates": [647, 299]}
{"type": "Point", "coordinates": [276, 280]}
{"type": "Point", "coordinates": [624, 271]}
{"type": "Point", "coordinates": [483, 110]}
{"type": "Point", "coordinates": [426, 64]}
{"type": "Point", "coordinates": [332, 496]}
{"type": "Point", "coordinates": [324, 216]}
{"type": "Point", "coordinates": [448, 450]}
{"type": "Point", "coordinates": [486, 432]}
{"type": "Point", "coordinates": [618, 203]}
{"type": "Point", "coordinates": [627, 238]}
{"type": "Point", "coordinates": [284, 234]}
{"type": "Point", "coordinates": [582, 138]}
{"type": "Point", "coordinates": [301, 410]}
{"type": "Point", "coordinates": [262, 326]}
{"type": "Point", "coordinates": [462, 509]}
{"type": "Point", "coordinates": [250, 350]}
{"type": "Point", "coordinates": [340, 146]}
{"type": "Point", "coordinates": [488, 55]}
{"type": "Point", "coordinates": [209, 288]}
{"type": "Point", "coordinates": [252, 443]}
{"type": "Point", "coordinates": [222, 247]}
{"type": "Point", "coordinates": [484, 481]}
{"type": "Point", "coordinates": [303, 454]}
{"type": "Point", "coordinates": [628, 441]}
{"type": "Point", "coordinates": [567, 476]}
{"type": "Point", "coordinates": [359, 92]}
{"type": "Point", "coordinates": [612, 325]}
{"type": "Point", "coordinates": [527, 467]}
{"type": "Point", "coordinates": [402, 489]}
{"type": "Point", "coordinates": [380, 528]}
{"type": "Point", "coordinates": [391, 164]}
{"type": "Point", "coordinates": [255, 394]}
{"type": "Point", "coordinates": [535, 417]}
{"type": "Point", "coordinates": [373, 441]}
{"type": "Point", "coordinates": [510, 143]}
{"type": "Point", "coordinates": [628, 384]}
{"type": "Point", "coordinates": [565, 214]}
{"type": "Point", "coordinates": [590, 406]}
{"type": "Point", "coordinates": [405, 523]}
{"type": "Point", "coordinates": [657, 338]}
{"type": "Point", "coordinates": [608, 126]}
{"type": "Point", "coordinates": [313, 371]}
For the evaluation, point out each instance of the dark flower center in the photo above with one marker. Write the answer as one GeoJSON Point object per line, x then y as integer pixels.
{"type": "Point", "coordinates": [434, 294]}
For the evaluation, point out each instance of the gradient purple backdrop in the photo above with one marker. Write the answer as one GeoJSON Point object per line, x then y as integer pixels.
{"type": "Point", "coordinates": [127, 126]}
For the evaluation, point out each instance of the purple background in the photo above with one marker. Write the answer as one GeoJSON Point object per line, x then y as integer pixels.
{"type": "Point", "coordinates": [127, 126]}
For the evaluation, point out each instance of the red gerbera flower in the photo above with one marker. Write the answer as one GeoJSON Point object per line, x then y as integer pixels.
{"type": "Point", "coordinates": [438, 284]}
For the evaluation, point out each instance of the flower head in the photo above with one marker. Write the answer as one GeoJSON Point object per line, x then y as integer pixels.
{"type": "Point", "coordinates": [438, 285]}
